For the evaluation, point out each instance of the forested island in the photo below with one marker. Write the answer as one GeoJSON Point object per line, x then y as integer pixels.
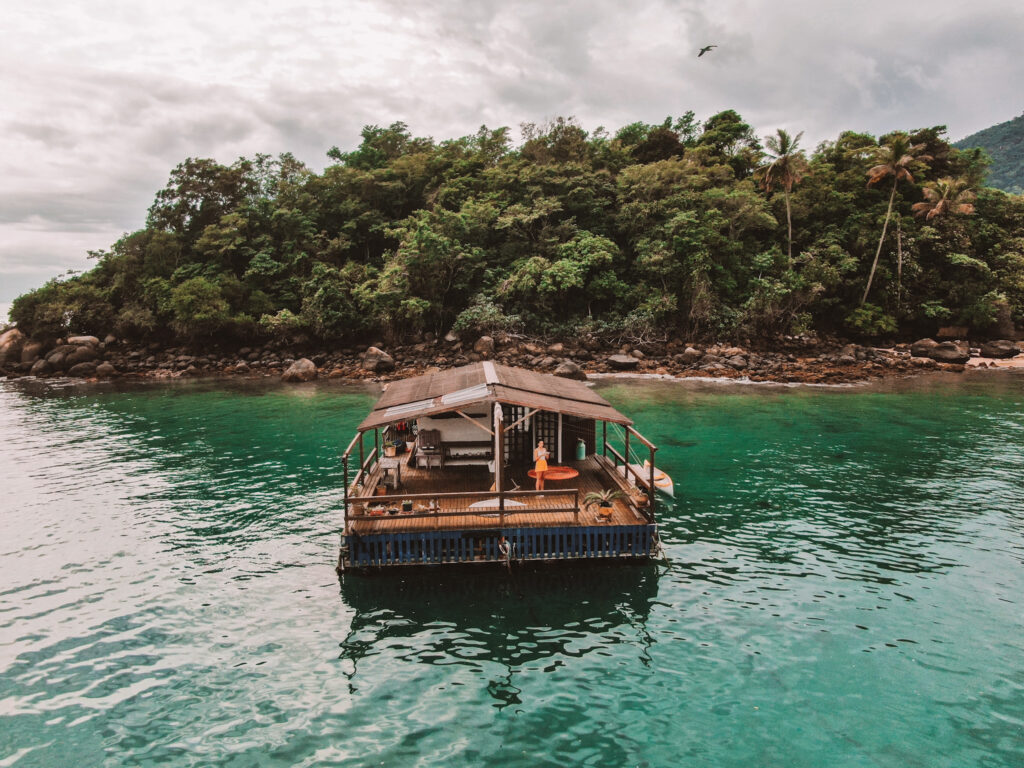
{"type": "Point", "coordinates": [1004, 144]}
{"type": "Point", "coordinates": [661, 236]}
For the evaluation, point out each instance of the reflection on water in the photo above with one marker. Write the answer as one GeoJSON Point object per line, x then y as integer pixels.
{"type": "Point", "coordinates": [842, 587]}
{"type": "Point", "coordinates": [528, 617]}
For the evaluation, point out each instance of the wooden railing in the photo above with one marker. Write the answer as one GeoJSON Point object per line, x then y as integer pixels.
{"type": "Point", "coordinates": [458, 504]}
{"type": "Point", "coordinates": [364, 468]}
{"type": "Point", "coordinates": [643, 478]}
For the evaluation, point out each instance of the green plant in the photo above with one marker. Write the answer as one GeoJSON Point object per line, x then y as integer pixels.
{"type": "Point", "coordinates": [870, 320]}
{"type": "Point", "coordinates": [602, 498]}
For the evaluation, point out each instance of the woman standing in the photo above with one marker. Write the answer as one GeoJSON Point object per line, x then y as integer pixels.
{"type": "Point", "coordinates": [540, 458]}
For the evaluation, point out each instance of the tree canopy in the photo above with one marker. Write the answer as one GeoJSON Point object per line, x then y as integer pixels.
{"type": "Point", "coordinates": [681, 227]}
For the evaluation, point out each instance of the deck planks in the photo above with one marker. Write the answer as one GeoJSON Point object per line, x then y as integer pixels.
{"type": "Point", "coordinates": [415, 480]}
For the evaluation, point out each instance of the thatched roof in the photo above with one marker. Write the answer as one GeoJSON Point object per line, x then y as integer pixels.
{"type": "Point", "coordinates": [487, 382]}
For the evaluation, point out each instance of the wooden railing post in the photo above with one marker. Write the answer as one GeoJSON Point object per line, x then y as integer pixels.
{"type": "Point", "coordinates": [626, 452]}
{"type": "Point", "coordinates": [344, 465]}
{"type": "Point", "coordinates": [604, 439]}
{"type": "Point", "coordinates": [652, 493]}
{"type": "Point", "coordinates": [362, 457]}
{"type": "Point", "coordinates": [576, 507]}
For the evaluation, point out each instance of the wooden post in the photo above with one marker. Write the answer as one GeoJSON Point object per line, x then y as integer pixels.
{"type": "Point", "coordinates": [344, 465]}
{"type": "Point", "coordinates": [499, 462]}
{"type": "Point", "coordinates": [576, 507]}
{"type": "Point", "coordinates": [376, 442]}
{"type": "Point", "coordinates": [559, 437]}
{"type": "Point", "coordinates": [604, 439]}
{"type": "Point", "coordinates": [652, 492]}
{"type": "Point", "coordinates": [625, 456]}
{"type": "Point", "coordinates": [362, 457]}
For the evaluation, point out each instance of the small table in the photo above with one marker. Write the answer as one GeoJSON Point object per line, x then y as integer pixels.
{"type": "Point", "coordinates": [391, 464]}
{"type": "Point", "coordinates": [556, 473]}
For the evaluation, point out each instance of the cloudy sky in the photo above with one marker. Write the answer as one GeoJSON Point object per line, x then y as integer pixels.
{"type": "Point", "coordinates": [99, 100]}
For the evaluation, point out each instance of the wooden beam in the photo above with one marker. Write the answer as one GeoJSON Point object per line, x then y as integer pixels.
{"type": "Point", "coordinates": [476, 423]}
{"type": "Point", "coordinates": [515, 424]}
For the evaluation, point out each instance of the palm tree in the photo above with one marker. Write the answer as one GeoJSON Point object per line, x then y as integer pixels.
{"type": "Point", "coordinates": [788, 165]}
{"type": "Point", "coordinates": [895, 159]}
{"type": "Point", "coordinates": [943, 197]}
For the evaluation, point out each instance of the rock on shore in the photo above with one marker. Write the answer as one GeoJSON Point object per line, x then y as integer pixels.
{"type": "Point", "coordinates": [805, 359]}
{"type": "Point", "coordinates": [300, 370]}
{"type": "Point", "coordinates": [11, 343]}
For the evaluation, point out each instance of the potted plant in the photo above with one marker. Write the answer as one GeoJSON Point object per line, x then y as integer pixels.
{"type": "Point", "coordinates": [603, 501]}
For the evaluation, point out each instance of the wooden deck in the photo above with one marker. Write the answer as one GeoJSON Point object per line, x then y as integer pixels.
{"type": "Point", "coordinates": [457, 487]}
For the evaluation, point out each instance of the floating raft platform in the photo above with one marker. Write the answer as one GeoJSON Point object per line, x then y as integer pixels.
{"type": "Point", "coordinates": [447, 478]}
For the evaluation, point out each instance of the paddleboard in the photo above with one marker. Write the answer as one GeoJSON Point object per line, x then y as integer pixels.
{"type": "Point", "coordinates": [661, 479]}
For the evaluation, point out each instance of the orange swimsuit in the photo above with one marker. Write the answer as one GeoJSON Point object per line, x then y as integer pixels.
{"type": "Point", "coordinates": [541, 455]}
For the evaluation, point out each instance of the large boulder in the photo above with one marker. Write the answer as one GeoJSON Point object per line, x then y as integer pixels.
{"type": "Point", "coordinates": [300, 370]}
{"type": "Point", "coordinates": [57, 357]}
{"type": "Point", "coordinates": [689, 356]}
{"type": "Point", "coordinates": [569, 370]}
{"type": "Point", "coordinates": [41, 368]}
{"type": "Point", "coordinates": [737, 362]}
{"type": "Point", "coordinates": [999, 348]}
{"type": "Point", "coordinates": [623, 362]}
{"type": "Point", "coordinates": [82, 370]}
{"type": "Point", "coordinates": [80, 354]}
{"type": "Point", "coordinates": [32, 351]}
{"type": "Point", "coordinates": [484, 347]}
{"type": "Point", "coordinates": [923, 347]}
{"type": "Point", "coordinates": [378, 361]}
{"type": "Point", "coordinates": [11, 343]}
{"type": "Point", "coordinates": [105, 370]}
{"type": "Point", "coordinates": [92, 341]}
{"type": "Point", "coordinates": [949, 352]}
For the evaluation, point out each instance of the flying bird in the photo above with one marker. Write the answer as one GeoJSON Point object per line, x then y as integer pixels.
{"type": "Point", "coordinates": [705, 49]}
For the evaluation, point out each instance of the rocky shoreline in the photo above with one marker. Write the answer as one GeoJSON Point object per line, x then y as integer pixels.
{"type": "Point", "coordinates": [789, 360]}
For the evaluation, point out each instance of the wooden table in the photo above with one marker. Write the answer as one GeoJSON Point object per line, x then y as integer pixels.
{"type": "Point", "coordinates": [392, 463]}
{"type": "Point", "coordinates": [556, 473]}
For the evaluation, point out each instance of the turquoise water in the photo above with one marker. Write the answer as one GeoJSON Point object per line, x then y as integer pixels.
{"type": "Point", "coordinates": [844, 587]}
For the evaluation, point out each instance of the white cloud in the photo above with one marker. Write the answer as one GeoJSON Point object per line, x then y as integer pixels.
{"type": "Point", "coordinates": [102, 99]}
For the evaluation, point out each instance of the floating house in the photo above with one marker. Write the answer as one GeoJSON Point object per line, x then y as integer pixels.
{"type": "Point", "coordinates": [444, 474]}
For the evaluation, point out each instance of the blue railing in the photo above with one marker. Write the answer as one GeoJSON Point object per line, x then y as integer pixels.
{"type": "Point", "coordinates": [548, 543]}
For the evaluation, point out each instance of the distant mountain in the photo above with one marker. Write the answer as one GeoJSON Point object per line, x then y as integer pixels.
{"type": "Point", "coordinates": [1005, 143]}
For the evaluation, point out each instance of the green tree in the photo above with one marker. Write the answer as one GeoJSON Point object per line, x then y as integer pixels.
{"type": "Point", "coordinates": [199, 309]}
{"type": "Point", "coordinates": [787, 167]}
{"type": "Point", "coordinates": [895, 159]}
{"type": "Point", "coordinates": [944, 197]}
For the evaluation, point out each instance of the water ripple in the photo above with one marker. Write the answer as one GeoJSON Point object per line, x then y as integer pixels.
{"type": "Point", "coordinates": [842, 587]}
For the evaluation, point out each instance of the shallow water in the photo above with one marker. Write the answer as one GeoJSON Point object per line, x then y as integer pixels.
{"type": "Point", "coordinates": [843, 587]}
